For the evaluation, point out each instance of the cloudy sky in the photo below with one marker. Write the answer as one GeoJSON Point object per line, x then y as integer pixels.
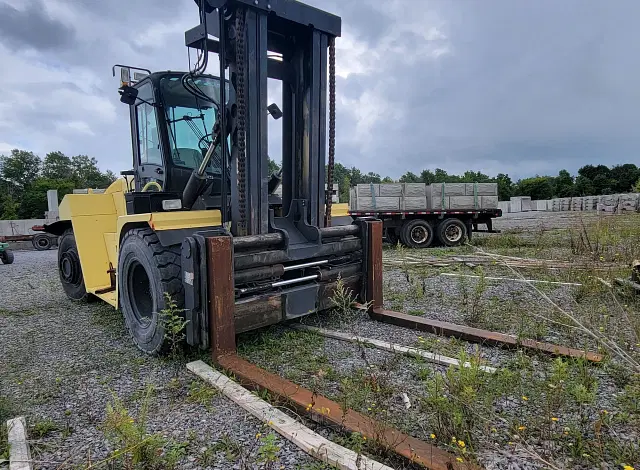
{"type": "Point", "coordinates": [523, 87]}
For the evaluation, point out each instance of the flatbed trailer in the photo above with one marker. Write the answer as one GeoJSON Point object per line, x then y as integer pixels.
{"type": "Point", "coordinates": [422, 229]}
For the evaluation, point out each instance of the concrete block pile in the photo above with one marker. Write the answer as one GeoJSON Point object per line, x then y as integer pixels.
{"type": "Point", "coordinates": [419, 196]}
{"type": "Point", "coordinates": [613, 203]}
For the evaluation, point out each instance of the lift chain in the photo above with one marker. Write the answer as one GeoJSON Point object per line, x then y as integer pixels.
{"type": "Point", "coordinates": [332, 129]}
{"type": "Point", "coordinates": [241, 121]}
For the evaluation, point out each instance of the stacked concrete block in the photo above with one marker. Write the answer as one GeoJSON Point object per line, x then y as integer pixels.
{"type": "Point", "coordinates": [390, 190]}
{"type": "Point", "coordinates": [539, 205]}
{"type": "Point", "coordinates": [565, 204]}
{"type": "Point", "coordinates": [628, 203]}
{"type": "Point", "coordinates": [576, 203]}
{"type": "Point", "coordinates": [378, 203]}
{"type": "Point", "coordinates": [367, 190]}
{"type": "Point", "coordinates": [555, 204]}
{"type": "Point", "coordinates": [515, 204]}
{"type": "Point", "coordinates": [525, 203]}
{"type": "Point", "coordinates": [411, 203]}
{"type": "Point", "coordinates": [19, 227]}
{"type": "Point", "coordinates": [481, 189]}
{"type": "Point", "coordinates": [589, 203]}
{"type": "Point", "coordinates": [489, 202]}
{"type": "Point", "coordinates": [414, 189]}
{"type": "Point", "coordinates": [608, 203]}
{"type": "Point", "coordinates": [503, 206]}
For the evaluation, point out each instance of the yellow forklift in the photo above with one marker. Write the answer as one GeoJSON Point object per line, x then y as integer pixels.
{"type": "Point", "coordinates": [200, 177]}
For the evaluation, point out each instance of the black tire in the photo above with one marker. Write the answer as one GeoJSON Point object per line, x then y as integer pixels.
{"type": "Point", "coordinates": [6, 256]}
{"type": "Point", "coordinates": [70, 269]}
{"type": "Point", "coordinates": [417, 233]}
{"type": "Point", "coordinates": [452, 232]}
{"type": "Point", "coordinates": [41, 242]}
{"type": "Point", "coordinates": [146, 271]}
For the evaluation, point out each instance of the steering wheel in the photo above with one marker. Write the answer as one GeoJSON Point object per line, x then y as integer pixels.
{"type": "Point", "coordinates": [151, 184]}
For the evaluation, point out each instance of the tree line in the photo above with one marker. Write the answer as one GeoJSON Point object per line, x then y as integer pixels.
{"type": "Point", "coordinates": [590, 181]}
{"type": "Point", "coordinates": [25, 179]}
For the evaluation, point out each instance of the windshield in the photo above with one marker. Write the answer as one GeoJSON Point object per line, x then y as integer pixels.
{"type": "Point", "coordinates": [190, 120]}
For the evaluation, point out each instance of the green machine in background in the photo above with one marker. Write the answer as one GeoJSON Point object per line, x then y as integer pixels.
{"type": "Point", "coordinates": [6, 255]}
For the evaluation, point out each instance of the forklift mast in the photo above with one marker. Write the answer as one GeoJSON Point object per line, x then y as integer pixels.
{"type": "Point", "coordinates": [288, 41]}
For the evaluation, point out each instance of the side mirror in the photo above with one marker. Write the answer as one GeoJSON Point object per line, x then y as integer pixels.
{"type": "Point", "coordinates": [274, 111]}
{"type": "Point", "coordinates": [128, 94]}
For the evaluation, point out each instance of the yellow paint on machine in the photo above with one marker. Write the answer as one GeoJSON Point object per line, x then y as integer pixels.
{"type": "Point", "coordinates": [98, 221]}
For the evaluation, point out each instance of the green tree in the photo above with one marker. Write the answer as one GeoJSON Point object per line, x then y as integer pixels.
{"type": "Point", "coordinates": [538, 187]}
{"type": "Point", "coordinates": [33, 203]}
{"type": "Point", "coordinates": [273, 166]}
{"type": "Point", "coordinates": [20, 168]}
{"type": "Point", "coordinates": [410, 177]}
{"type": "Point", "coordinates": [427, 176]}
{"type": "Point", "coordinates": [564, 185]}
{"type": "Point", "coordinates": [636, 187]}
{"type": "Point", "coordinates": [86, 173]}
{"type": "Point", "coordinates": [584, 186]}
{"type": "Point", "coordinates": [56, 166]}
{"type": "Point", "coordinates": [505, 187]}
{"type": "Point", "coordinates": [624, 177]}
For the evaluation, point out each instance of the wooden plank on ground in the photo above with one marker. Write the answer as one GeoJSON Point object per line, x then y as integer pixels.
{"type": "Point", "coordinates": [19, 453]}
{"type": "Point", "coordinates": [477, 335]}
{"type": "Point", "coordinates": [328, 412]}
{"type": "Point", "coordinates": [390, 347]}
{"type": "Point", "coordinates": [527, 281]}
{"type": "Point", "coordinates": [303, 437]}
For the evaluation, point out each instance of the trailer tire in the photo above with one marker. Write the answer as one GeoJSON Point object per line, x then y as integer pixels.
{"type": "Point", "coordinates": [70, 269]}
{"type": "Point", "coordinates": [417, 233]}
{"type": "Point", "coordinates": [6, 256]}
{"type": "Point", "coordinates": [392, 236]}
{"type": "Point", "coordinates": [146, 271]}
{"type": "Point", "coordinates": [452, 232]}
{"type": "Point", "coordinates": [42, 242]}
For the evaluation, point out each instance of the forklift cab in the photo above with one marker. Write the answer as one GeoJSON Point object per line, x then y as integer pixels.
{"type": "Point", "coordinates": [171, 130]}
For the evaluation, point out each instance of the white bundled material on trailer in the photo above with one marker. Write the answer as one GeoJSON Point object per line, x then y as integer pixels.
{"type": "Point", "coordinates": [378, 203]}
{"type": "Point", "coordinates": [390, 190]}
{"type": "Point", "coordinates": [449, 189]}
{"type": "Point", "coordinates": [462, 202]}
{"type": "Point", "coordinates": [576, 203]}
{"type": "Point", "coordinates": [414, 189]}
{"type": "Point", "coordinates": [488, 202]}
{"type": "Point", "coordinates": [367, 190]}
{"type": "Point", "coordinates": [414, 203]}
{"type": "Point", "coordinates": [481, 189]}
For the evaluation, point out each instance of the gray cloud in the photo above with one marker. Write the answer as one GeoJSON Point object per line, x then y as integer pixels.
{"type": "Point", "coordinates": [497, 86]}
{"type": "Point", "coordinates": [32, 28]}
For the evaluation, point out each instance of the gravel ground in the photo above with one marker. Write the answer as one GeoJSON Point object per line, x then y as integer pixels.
{"type": "Point", "coordinates": [65, 361]}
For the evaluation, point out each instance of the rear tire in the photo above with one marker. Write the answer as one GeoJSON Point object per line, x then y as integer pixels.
{"type": "Point", "coordinates": [41, 242]}
{"type": "Point", "coordinates": [452, 232]}
{"type": "Point", "coordinates": [70, 269]}
{"type": "Point", "coordinates": [6, 256]}
{"type": "Point", "coordinates": [146, 271]}
{"type": "Point", "coordinates": [417, 233]}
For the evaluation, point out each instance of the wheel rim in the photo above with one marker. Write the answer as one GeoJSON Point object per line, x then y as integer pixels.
{"type": "Point", "coordinates": [453, 233]}
{"type": "Point", "coordinates": [42, 242]}
{"type": "Point", "coordinates": [139, 290]}
{"type": "Point", "coordinates": [419, 235]}
{"type": "Point", "coordinates": [69, 267]}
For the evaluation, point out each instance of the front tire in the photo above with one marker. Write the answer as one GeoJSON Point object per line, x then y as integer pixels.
{"type": "Point", "coordinates": [452, 232]}
{"type": "Point", "coordinates": [417, 233]}
{"type": "Point", "coordinates": [146, 271]}
{"type": "Point", "coordinates": [6, 256]}
{"type": "Point", "coordinates": [70, 269]}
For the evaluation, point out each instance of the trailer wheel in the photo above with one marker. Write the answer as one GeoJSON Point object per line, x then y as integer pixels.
{"type": "Point", "coordinates": [6, 256]}
{"type": "Point", "coordinates": [452, 232]}
{"type": "Point", "coordinates": [417, 233]}
{"type": "Point", "coordinates": [41, 242]}
{"type": "Point", "coordinates": [146, 271]}
{"type": "Point", "coordinates": [392, 236]}
{"type": "Point", "coordinates": [70, 269]}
